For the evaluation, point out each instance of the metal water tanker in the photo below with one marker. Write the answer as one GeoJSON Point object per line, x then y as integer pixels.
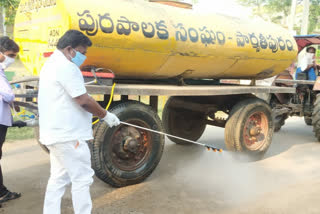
{"type": "Point", "coordinates": [142, 40]}
{"type": "Point", "coordinates": [145, 40]}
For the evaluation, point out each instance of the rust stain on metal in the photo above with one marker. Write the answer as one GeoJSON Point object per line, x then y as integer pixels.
{"type": "Point", "coordinates": [265, 73]}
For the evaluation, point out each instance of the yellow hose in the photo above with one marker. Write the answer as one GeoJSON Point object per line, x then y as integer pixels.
{"type": "Point", "coordinates": [17, 114]}
{"type": "Point", "coordinates": [110, 101]}
{"type": "Point", "coordinates": [21, 112]}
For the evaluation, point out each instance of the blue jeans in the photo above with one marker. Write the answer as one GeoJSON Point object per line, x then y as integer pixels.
{"type": "Point", "coordinates": [311, 73]}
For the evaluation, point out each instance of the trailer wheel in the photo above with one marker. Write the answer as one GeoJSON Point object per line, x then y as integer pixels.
{"type": "Point", "coordinates": [37, 136]}
{"type": "Point", "coordinates": [182, 122]}
{"type": "Point", "coordinates": [279, 121]}
{"type": "Point", "coordinates": [308, 120]}
{"type": "Point", "coordinates": [316, 117]}
{"type": "Point", "coordinates": [125, 155]}
{"type": "Point", "coordinates": [249, 127]}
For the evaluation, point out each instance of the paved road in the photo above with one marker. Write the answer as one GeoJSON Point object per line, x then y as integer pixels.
{"type": "Point", "coordinates": [189, 179]}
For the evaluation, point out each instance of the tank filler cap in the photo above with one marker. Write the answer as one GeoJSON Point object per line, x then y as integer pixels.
{"type": "Point", "coordinates": [174, 3]}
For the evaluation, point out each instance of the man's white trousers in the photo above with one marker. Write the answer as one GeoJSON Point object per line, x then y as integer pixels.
{"type": "Point", "coordinates": [70, 163]}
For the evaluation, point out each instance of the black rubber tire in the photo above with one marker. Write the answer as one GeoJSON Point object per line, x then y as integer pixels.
{"type": "Point", "coordinates": [234, 129]}
{"type": "Point", "coordinates": [279, 122]}
{"type": "Point", "coordinates": [182, 122]}
{"type": "Point", "coordinates": [37, 136]}
{"type": "Point", "coordinates": [308, 120]}
{"type": "Point", "coordinates": [103, 164]}
{"type": "Point", "coordinates": [316, 118]}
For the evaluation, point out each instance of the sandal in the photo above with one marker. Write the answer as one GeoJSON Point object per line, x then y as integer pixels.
{"type": "Point", "coordinates": [9, 196]}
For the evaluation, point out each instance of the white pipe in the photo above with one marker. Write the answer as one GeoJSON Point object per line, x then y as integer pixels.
{"type": "Point", "coordinates": [169, 135]}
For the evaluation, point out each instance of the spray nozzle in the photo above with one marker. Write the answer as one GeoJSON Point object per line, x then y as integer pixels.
{"type": "Point", "coordinates": [213, 149]}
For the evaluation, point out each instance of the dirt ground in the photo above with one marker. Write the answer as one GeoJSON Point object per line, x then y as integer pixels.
{"type": "Point", "coordinates": [189, 179]}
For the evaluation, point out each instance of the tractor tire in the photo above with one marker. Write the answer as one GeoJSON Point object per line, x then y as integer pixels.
{"type": "Point", "coordinates": [279, 121]}
{"type": "Point", "coordinates": [182, 122]}
{"type": "Point", "coordinates": [308, 120]}
{"type": "Point", "coordinates": [124, 155]}
{"type": "Point", "coordinates": [316, 118]}
{"type": "Point", "coordinates": [249, 127]}
{"type": "Point", "coordinates": [37, 136]}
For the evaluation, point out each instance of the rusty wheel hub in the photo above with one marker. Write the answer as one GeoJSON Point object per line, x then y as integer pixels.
{"type": "Point", "coordinates": [131, 144]}
{"type": "Point", "coordinates": [255, 130]}
{"type": "Point", "coordinates": [130, 147]}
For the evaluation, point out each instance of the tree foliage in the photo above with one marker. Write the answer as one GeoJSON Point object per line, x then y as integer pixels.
{"type": "Point", "coordinates": [314, 17]}
{"type": "Point", "coordinates": [10, 7]}
{"type": "Point", "coordinates": [269, 7]}
{"type": "Point", "coordinates": [278, 6]}
{"type": "Point", "coordinates": [278, 10]}
{"type": "Point", "coordinates": [257, 5]}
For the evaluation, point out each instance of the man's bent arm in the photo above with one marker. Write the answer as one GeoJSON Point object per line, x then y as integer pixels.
{"type": "Point", "coordinates": [90, 105]}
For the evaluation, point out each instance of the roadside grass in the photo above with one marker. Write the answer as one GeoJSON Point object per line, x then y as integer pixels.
{"type": "Point", "coordinates": [20, 133]}
{"type": "Point", "coordinates": [16, 133]}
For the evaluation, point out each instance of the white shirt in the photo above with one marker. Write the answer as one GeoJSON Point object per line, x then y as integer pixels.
{"type": "Point", "coordinates": [306, 60]}
{"type": "Point", "coordinates": [61, 118]}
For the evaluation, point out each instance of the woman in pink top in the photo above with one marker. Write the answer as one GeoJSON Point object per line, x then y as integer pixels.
{"type": "Point", "coordinates": [8, 53]}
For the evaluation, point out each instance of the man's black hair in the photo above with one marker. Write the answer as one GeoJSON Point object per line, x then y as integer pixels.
{"type": "Point", "coordinates": [308, 48]}
{"type": "Point", "coordinates": [74, 39]}
{"type": "Point", "coordinates": [7, 44]}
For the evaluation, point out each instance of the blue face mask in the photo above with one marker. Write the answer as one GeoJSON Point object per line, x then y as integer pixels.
{"type": "Point", "coordinates": [79, 58]}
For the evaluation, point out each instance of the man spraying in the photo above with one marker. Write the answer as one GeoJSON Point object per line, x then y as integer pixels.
{"type": "Point", "coordinates": [65, 115]}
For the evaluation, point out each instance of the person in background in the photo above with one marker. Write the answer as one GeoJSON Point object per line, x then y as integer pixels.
{"type": "Point", "coordinates": [65, 116]}
{"type": "Point", "coordinates": [308, 65]}
{"type": "Point", "coordinates": [8, 52]}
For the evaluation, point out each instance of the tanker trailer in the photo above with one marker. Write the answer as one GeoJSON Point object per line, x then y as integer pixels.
{"type": "Point", "coordinates": [161, 50]}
